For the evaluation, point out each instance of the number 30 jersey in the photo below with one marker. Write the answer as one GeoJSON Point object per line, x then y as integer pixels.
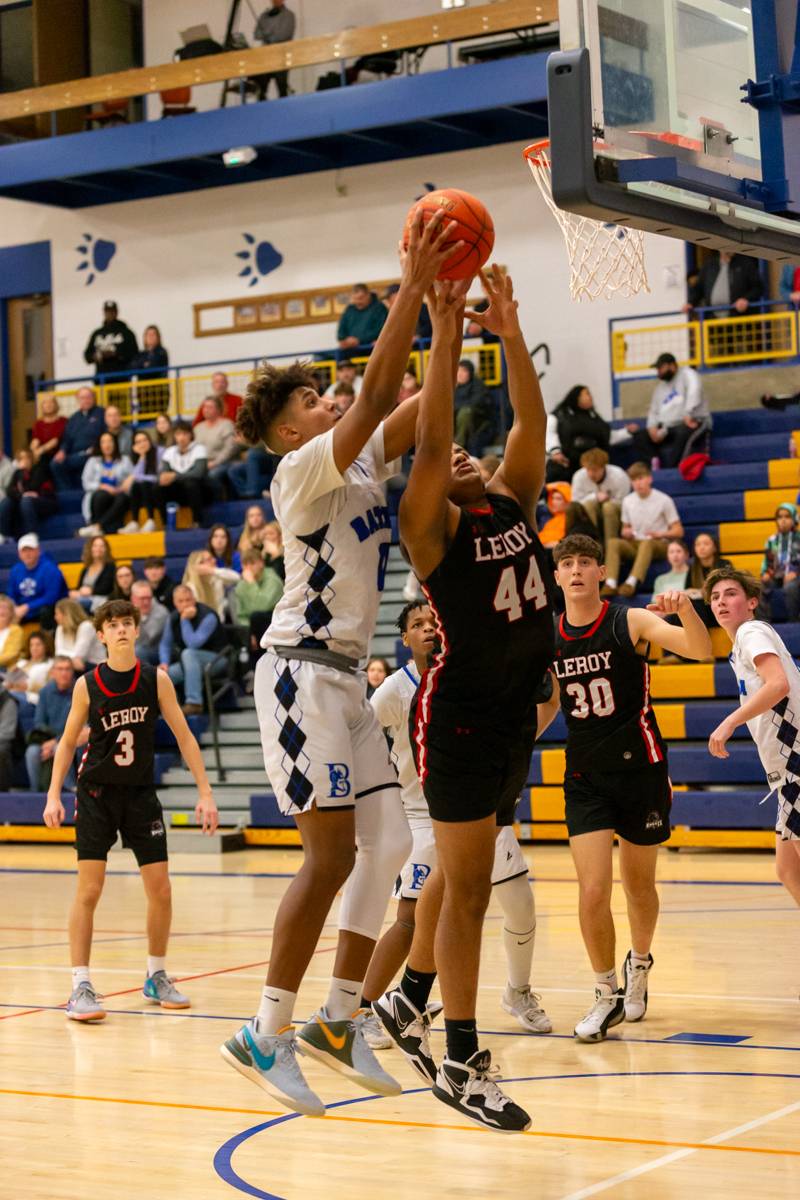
{"type": "Point", "coordinates": [605, 696]}
{"type": "Point", "coordinates": [122, 728]}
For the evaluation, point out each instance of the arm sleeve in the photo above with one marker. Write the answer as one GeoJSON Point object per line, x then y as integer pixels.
{"type": "Point", "coordinates": [388, 704]}
{"type": "Point", "coordinates": [582, 486]}
{"type": "Point", "coordinates": [195, 639]}
{"type": "Point", "coordinates": [617, 483]}
{"type": "Point", "coordinates": [654, 411]}
{"type": "Point", "coordinates": [343, 328]}
{"type": "Point", "coordinates": [671, 513]}
{"type": "Point", "coordinates": [199, 467]}
{"type": "Point", "coordinates": [88, 353]}
{"type": "Point", "coordinates": [695, 400]}
{"type": "Point", "coordinates": [625, 515]}
{"type": "Point", "coordinates": [90, 475]}
{"type": "Point", "coordinates": [758, 638]}
{"type": "Point", "coordinates": [306, 475]}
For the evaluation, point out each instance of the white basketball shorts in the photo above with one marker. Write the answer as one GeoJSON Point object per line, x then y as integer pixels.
{"type": "Point", "coordinates": [509, 860]}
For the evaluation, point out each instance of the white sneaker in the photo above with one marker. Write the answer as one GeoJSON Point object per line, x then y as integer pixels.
{"type": "Point", "coordinates": [131, 527]}
{"type": "Point", "coordinates": [375, 1035]}
{"type": "Point", "coordinates": [608, 1010]}
{"type": "Point", "coordinates": [526, 1006]}
{"type": "Point", "coordinates": [149, 526]}
{"type": "Point", "coordinates": [635, 977]}
{"type": "Point", "coordinates": [90, 531]}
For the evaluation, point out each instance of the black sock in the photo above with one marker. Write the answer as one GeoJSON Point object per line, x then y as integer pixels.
{"type": "Point", "coordinates": [462, 1039]}
{"type": "Point", "coordinates": [416, 985]}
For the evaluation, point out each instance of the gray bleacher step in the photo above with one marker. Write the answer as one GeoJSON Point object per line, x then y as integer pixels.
{"type": "Point", "coordinates": [251, 777]}
{"type": "Point", "coordinates": [232, 737]}
{"type": "Point", "coordinates": [194, 841]}
{"type": "Point", "coordinates": [243, 756]}
{"type": "Point", "coordinates": [239, 720]}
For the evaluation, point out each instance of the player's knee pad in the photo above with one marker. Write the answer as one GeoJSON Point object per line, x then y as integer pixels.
{"type": "Point", "coordinates": [383, 842]}
{"type": "Point", "coordinates": [516, 900]}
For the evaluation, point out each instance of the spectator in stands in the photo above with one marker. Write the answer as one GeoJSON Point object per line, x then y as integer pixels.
{"type": "Point", "coordinates": [123, 433]}
{"type": "Point", "coordinates": [35, 583]}
{"type": "Point", "coordinates": [153, 356]}
{"type": "Point", "coordinates": [231, 402]}
{"type": "Point", "coordinates": [209, 583]}
{"type": "Point", "coordinates": [473, 406]}
{"type": "Point", "coordinates": [678, 422]}
{"type": "Point", "coordinates": [105, 500]}
{"type": "Point", "coordinates": [7, 469]}
{"type": "Point", "coordinates": [30, 497]}
{"type": "Point", "coordinates": [218, 435]}
{"type": "Point", "coordinates": [706, 557]}
{"type": "Point", "coordinates": [600, 488]}
{"type": "Point", "coordinates": [183, 472]}
{"type": "Point", "coordinates": [780, 566]}
{"type": "Point", "coordinates": [272, 544]}
{"type": "Point", "coordinates": [192, 638]}
{"type": "Point", "coordinates": [252, 477]}
{"type": "Point", "coordinates": [409, 386]}
{"type": "Point", "coordinates": [649, 520]}
{"type": "Point", "coordinates": [344, 396]}
{"type": "Point", "coordinates": [378, 669]}
{"type": "Point", "coordinates": [32, 671]}
{"type": "Point", "coordinates": [256, 593]}
{"type": "Point", "coordinates": [112, 347]}
{"type": "Point", "coordinates": [124, 579]}
{"type": "Point", "coordinates": [252, 535]}
{"type": "Point", "coordinates": [676, 578]}
{"type": "Point", "coordinates": [275, 25]}
{"type": "Point", "coordinates": [152, 619]}
{"type": "Point", "coordinates": [728, 283]}
{"type": "Point", "coordinates": [565, 516]}
{"type": "Point", "coordinates": [76, 638]}
{"type": "Point", "coordinates": [573, 427]}
{"type": "Point", "coordinates": [9, 735]}
{"type": "Point", "coordinates": [12, 638]}
{"type": "Point", "coordinates": [345, 373]}
{"type": "Point", "coordinates": [48, 430]}
{"type": "Point", "coordinates": [80, 437]}
{"type": "Point", "coordinates": [141, 484]}
{"type": "Point", "coordinates": [362, 321]}
{"type": "Point", "coordinates": [164, 434]}
{"type": "Point", "coordinates": [155, 572]}
{"type": "Point", "coordinates": [96, 580]}
{"type": "Point", "coordinates": [220, 546]}
{"type": "Point", "coordinates": [52, 711]}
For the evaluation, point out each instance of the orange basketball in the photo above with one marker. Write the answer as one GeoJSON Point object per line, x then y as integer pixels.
{"type": "Point", "coordinates": [474, 227]}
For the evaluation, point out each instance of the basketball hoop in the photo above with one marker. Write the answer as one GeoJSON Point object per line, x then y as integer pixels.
{"type": "Point", "coordinates": [604, 260]}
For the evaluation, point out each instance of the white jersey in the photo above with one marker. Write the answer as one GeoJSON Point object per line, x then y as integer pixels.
{"type": "Point", "coordinates": [392, 704]}
{"type": "Point", "coordinates": [336, 536]}
{"type": "Point", "coordinates": [776, 732]}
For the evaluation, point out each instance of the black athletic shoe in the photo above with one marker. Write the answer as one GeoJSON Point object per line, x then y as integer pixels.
{"type": "Point", "coordinates": [635, 984]}
{"type": "Point", "coordinates": [409, 1029]}
{"type": "Point", "coordinates": [469, 1088]}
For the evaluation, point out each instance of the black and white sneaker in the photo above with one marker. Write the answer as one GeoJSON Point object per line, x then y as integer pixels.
{"type": "Point", "coordinates": [608, 1010]}
{"type": "Point", "coordinates": [470, 1088]}
{"type": "Point", "coordinates": [635, 983]}
{"type": "Point", "coordinates": [409, 1029]}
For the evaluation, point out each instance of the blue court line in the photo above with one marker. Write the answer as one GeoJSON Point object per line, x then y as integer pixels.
{"type": "Point", "coordinates": [224, 1166]}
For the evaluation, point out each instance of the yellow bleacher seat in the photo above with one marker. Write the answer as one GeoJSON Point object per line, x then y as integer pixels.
{"type": "Point", "coordinates": [71, 572]}
{"type": "Point", "coordinates": [680, 682]}
{"type": "Point", "coordinates": [746, 562]}
{"type": "Point", "coordinates": [553, 763]}
{"type": "Point", "coordinates": [759, 504]}
{"type": "Point", "coordinates": [547, 804]}
{"type": "Point", "coordinates": [671, 719]}
{"type": "Point", "coordinates": [784, 473]}
{"type": "Point", "coordinates": [738, 536]}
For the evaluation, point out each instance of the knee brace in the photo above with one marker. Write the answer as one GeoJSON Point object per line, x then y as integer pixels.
{"type": "Point", "coordinates": [383, 843]}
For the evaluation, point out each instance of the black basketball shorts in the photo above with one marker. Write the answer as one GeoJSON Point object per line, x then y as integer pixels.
{"type": "Point", "coordinates": [635, 804]}
{"type": "Point", "coordinates": [104, 810]}
{"type": "Point", "coordinates": [468, 774]}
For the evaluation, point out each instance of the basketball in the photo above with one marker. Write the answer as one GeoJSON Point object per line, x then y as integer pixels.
{"type": "Point", "coordinates": [474, 227]}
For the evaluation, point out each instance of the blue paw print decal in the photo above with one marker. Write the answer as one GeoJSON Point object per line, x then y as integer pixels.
{"type": "Point", "coordinates": [96, 255]}
{"type": "Point", "coordinates": [260, 258]}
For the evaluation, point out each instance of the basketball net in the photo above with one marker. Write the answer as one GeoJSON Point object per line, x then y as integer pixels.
{"type": "Point", "coordinates": [604, 260]}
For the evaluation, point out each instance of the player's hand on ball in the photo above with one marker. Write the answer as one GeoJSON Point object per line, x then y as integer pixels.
{"type": "Point", "coordinates": [716, 743]}
{"type": "Point", "coordinates": [500, 317]}
{"type": "Point", "coordinates": [206, 814]}
{"type": "Point", "coordinates": [53, 812]}
{"type": "Point", "coordinates": [428, 248]}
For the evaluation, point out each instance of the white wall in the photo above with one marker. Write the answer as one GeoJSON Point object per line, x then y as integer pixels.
{"type": "Point", "coordinates": [174, 251]}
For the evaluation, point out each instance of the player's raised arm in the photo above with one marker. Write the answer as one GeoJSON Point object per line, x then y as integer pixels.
{"type": "Point", "coordinates": [65, 751]}
{"type": "Point", "coordinates": [521, 473]}
{"type": "Point", "coordinates": [775, 685]}
{"type": "Point", "coordinates": [690, 639]}
{"type": "Point", "coordinates": [205, 809]}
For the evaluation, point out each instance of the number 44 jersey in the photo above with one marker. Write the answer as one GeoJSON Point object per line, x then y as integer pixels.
{"type": "Point", "coordinates": [605, 695]}
{"type": "Point", "coordinates": [122, 727]}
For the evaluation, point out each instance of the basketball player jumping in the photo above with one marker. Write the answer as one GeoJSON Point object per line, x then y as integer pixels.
{"type": "Point", "coordinates": [122, 700]}
{"type": "Point", "coordinates": [324, 752]}
{"type": "Point", "coordinates": [769, 702]}
{"type": "Point", "coordinates": [616, 779]}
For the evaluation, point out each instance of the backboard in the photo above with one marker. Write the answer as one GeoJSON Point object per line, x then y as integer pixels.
{"type": "Point", "coordinates": [680, 117]}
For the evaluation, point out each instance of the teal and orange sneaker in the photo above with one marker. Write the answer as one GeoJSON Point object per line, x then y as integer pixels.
{"type": "Point", "coordinates": [160, 989]}
{"type": "Point", "coordinates": [270, 1060]}
{"type": "Point", "coordinates": [342, 1046]}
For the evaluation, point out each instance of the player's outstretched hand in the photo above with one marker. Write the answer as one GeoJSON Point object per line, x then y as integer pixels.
{"type": "Point", "coordinates": [500, 317]}
{"type": "Point", "coordinates": [53, 812]}
{"type": "Point", "coordinates": [427, 250]}
{"type": "Point", "coordinates": [716, 743]}
{"type": "Point", "coordinates": [445, 302]}
{"type": "Point", "coordinates": [670, 602]}
{"type": "Point", "coordinates": [206, 813]}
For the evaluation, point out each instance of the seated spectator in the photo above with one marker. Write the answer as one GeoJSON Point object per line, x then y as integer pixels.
{"type": "Point", "coordinates": [182, 475]}
{"type": "Point", "coordinates": [76, 638]}
{"type": "Point", "coordinates": [676, 578]}
{"type": "Point", "coordinates": [472, 403]}
{"type": "Point", "coordinates": [600, 488]}
{"type": "Point", "coordinates": [192, 638]}
{"type": "Point", "coordinates": [378, 669]}
{"type": "Point", "coordinates": [12, 638]}
{"type": "Point", "coordinates": [112, 347]}
{"type": "Point", "coordinates": [9, 736]}
{"type": "Point", "coordinates": [48, 430]}
{"type": "Point", "coordinates": [141, 484]}
{"type": "Point", "coordinates": [123, 433]}
{"type": "Point", "coordinates": [7, 469]}
{"type": "Point", "coordinates": [123, 582]}
{"type": "Point", "coordinates": [220, 545]}
{"type": "Point", "coordinates": [105, 500]}
{"type": "Point", "coordinates": [649, 521]}
{"type": "Point", "coordinates": [574, 426]}
{"type": "Point", "coordinates": [346, 372]}
{"type": "Point", "coordinates": [780, 566]}
{"type": "Point", "coordinates": [35, 584]}
{"type": "Point", "coordinates": [275, 25]}
{"type": "Point", "coordinates": [362, 321]}
{"type": "Point", "coordinates": [678, 423]}
{"type": "Point", "coordinates": [163, 433]}
{"type": "Point", "coordinates": [218, 435]}
{"type": "Point", "coordinates": [565, 516]}
{"type": "Point", "coordinates": [209, 583]}
{"type": "Point", "coordinates": [153, 356]}
{"type": "Point", "coordinates": [344, 397]}
{"type": "Point", "coordinates": [706, 558]}
{"type": "Point", "coordinates": [32, 671]}
{"type": "Point", "coordinates": [52, 711]}
{"type": "Point", "coordinates": [251, 478]}
{"type": "Point", "coordinates": [155, 572]}
{"type": "Point", "coordinates": [409, 387]}
{"type": "Point", "coordinates": [79, 440]}
{"type": "Point", "coordinates": [272, 545]}
{"type": "Point", "coordinates": [255, 524]}
{"type": "Point", "coordinates": [256, 594]}
{"type": "Point", "coordinates": [30, 497]}
{"type": "Point", "coordinates": [231, 402]}
{"type": "Point", "coordinates": [152, 619]}
{"type": "Point", "coordinates": [96, 580]}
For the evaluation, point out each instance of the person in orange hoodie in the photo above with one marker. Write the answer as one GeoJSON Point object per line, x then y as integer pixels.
{"type": "Point", "coordinates": [566, 517]}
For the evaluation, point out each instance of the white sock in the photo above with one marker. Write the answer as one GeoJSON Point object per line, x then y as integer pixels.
{"type": "Point", "coordinates": [80, 975]}
{"type": "Point", "coordinates": [632, 581]}
{"type": "Point", "coordinates": [344, 998]}
{"type": "Point", "coordinates": [155, 964]}
{"type": "Point", "coordinates": [612, 583]}
{"type": "Point", "coordinates": [276, 1010]}
{"type": "Point", "coordinates": [644, 959]}
{"type": "Point", "coordinates": [609, 978]}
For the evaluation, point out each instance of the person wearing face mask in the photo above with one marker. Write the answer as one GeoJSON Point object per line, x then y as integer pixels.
{"type": "Point", "coordinates": [678, 422]}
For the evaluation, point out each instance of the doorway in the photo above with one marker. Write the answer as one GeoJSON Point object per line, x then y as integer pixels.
{"type": "Point", "coordinates": [29, 325]}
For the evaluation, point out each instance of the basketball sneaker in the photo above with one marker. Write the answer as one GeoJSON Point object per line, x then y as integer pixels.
{"type": "Point", "coordinates": [270, 1060]}
{"type": "Point", "coordinates": [608, 1010]}
{"type": "Point", "coordinates": [526, 1006]}
{"type": "Point", "coordinates": [470, 1088]}
{"type": "Point", "coordinates": [84, 1004]}
{"type": "Point", "coordinates": [160, 989]}
{"type": "Point", "coordinates": [342, 1046]}
{"type": "Point", "coordinates": [635, 977]}
{"type": "Point", "coordinates": [409, 1029]}
{"type": "Point", "coordinates": [376, 1036]}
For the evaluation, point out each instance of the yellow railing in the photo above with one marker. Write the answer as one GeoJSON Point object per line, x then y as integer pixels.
{"type": "Point", "coordinates": [714, 342]}
{"type": "Point", "coordinates": [636, 349]}
{"type": "Point", "coordinates": [487, 359]}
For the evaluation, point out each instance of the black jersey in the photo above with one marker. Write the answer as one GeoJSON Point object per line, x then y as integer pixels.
{"type": "Point", "coordinates": [605, 695]}
{"type": "Point", "coordinates": [122, 729]}
{"type": "Point", "coordinates": [494, 617]}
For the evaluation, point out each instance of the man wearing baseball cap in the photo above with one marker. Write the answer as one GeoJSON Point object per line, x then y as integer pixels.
{"type": "Point", "coordinates": [678, 422]}
{"type": "Point", "coordinates": [113, 346]}
{"type": "Point", "coordinates": [35, 583]}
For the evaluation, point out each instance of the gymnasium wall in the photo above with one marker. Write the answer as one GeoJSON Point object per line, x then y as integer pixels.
{"type": "Point", "coordinates": [157, 257]}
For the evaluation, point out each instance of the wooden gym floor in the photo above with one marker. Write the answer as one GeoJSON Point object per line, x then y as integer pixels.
{"type": "Point", "coordinates": [704, 1094]}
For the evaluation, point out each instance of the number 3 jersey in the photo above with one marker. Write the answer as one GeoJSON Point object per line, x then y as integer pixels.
{"type": "Point", "coordinates": [605, 695]}
{"type": "Point", "coordinates": [123, 711]}
{"type": "Point", "coordinates": [493, 611]}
